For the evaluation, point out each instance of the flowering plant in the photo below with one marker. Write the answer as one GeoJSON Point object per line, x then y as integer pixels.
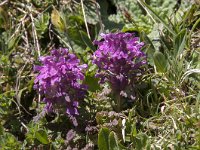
{"type": "Point", "coordinates": [59, 81]}
{"type": "Point", "coordinates": [119, 59]}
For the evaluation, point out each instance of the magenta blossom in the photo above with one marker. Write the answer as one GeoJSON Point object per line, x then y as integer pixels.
{"type": "Point", "coordinates": [59, 81]}
{"type": "Point", "coordinates": [119, 59]}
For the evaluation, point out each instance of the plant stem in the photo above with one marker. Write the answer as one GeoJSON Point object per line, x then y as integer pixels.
{"type": "Point", "coordinates": [118, 102]}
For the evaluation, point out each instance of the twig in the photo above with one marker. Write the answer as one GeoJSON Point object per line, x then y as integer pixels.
{"type": "Point", "coordinates": [17, 89]}
{"type": "Point", "coordinates": [35, 37]}
{"type": "Point", "coordinates": [4, 2]}
{"type": "Point", "coordinates": [24, 126]}
{"type": "Point", "coordinates": [26, 36]}
{"type": "Point", "coordinates": [36, 43]}
{"type": "Point", "coordinates": [85, 19]}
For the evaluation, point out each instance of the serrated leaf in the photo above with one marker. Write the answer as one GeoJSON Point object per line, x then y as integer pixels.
{"type": "Point", "coordinates": [160, 62]}
{"type": "Point", "coordinates": [41, 136]}
{"type": "Point", "coordinates": [103, 137]}
{"type": "Point", "coordinates": [113, 143]}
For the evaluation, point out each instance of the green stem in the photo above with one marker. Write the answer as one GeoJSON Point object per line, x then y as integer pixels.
{"type": "Point", "coordinates": [118, 102]}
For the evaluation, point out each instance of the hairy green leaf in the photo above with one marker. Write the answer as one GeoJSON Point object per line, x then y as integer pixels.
{"type": "Point", "coordinates": [113, 143]}
{"type": "Point", "coordinates": [41, 136]}
{"type": "Point", "coordinates": [160, 62]}
{"type": "Point", "coordinates": [103, 138]}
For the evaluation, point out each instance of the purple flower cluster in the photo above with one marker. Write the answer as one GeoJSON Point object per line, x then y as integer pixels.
{"type": "Point", "coordinates": [119, 59]}
{"type": "Point", "coordinates": [59, 81]}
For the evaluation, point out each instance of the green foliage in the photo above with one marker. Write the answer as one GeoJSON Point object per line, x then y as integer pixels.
{"type": "Point", "coordinates": [179, 43]}
{"type": "Point", "coordinates": [113, 143]}
{"type": "Point", "coordinates": [8, 141]}
{"type": "Point", "coordinates": [107, 140]}
{"type": "Point", "coordinates": [92, 82]}
{"type": "Point", "coordinates": [164, 110]}
{"type": "Point", "coordinates": [41, 24]}
{"type": "Point", "coordinates": [103, 138]}
{"type": "Point", "coordinates": [160, 62]}
{"type": "Point", "coordinates": [41, 136]}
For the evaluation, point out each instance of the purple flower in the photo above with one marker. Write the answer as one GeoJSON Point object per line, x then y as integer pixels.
{"type": "Point", "coordinates": [58, 81]}
{"type": "Point", "coordinates": [119, 59]}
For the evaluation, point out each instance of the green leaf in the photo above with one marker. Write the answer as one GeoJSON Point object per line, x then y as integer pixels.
{"type": "Point", "coordinates": [113, 144]}
{"type": "Point", "coordinates": [149, 47]}
{"type": "Point", "coordinates": [41, 136]}
{"type": "Point", "coordinates": [193, 28]}
{"type": "Point", "coordinates": [140, 141]}
{"type": "Point", "coordinates": [180, 41]}
{"type": "Point", "coordinates": [87, 41]}
{"type": "Point", "coordinates": [92, 82]}
{"type": "Point", "coordinates": [90, 12]}
{"type": "Point", "coordinates": [123, 147]}
{"type": "Point", "coordinates": [156, 16]}
{"type": "Point", "coordinates": [76, 20]}
{"type": "Point", "coordinates": [160, 62]}
{"type": "Point", "coordinates": [134, 130]}
{"type": "Point", "coordinates": [75, 38]}
{"type": "Point", "coordinates": [42, 23]}
{"type": "Point", "coordinates": [103, 6]}
{"type": "Point", "coordinates": [108, 24]}
{"type": "Point", "coordinates": [103, 138]}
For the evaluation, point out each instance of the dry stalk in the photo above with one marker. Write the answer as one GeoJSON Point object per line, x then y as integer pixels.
{"type": "Point", "coordinates": [85, 20]}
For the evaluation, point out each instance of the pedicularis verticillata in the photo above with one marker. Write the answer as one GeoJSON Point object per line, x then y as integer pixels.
{"type": "Point", "coordinates": [59, 81]}
{"type": "Point", "coordinates": [119, 59]}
